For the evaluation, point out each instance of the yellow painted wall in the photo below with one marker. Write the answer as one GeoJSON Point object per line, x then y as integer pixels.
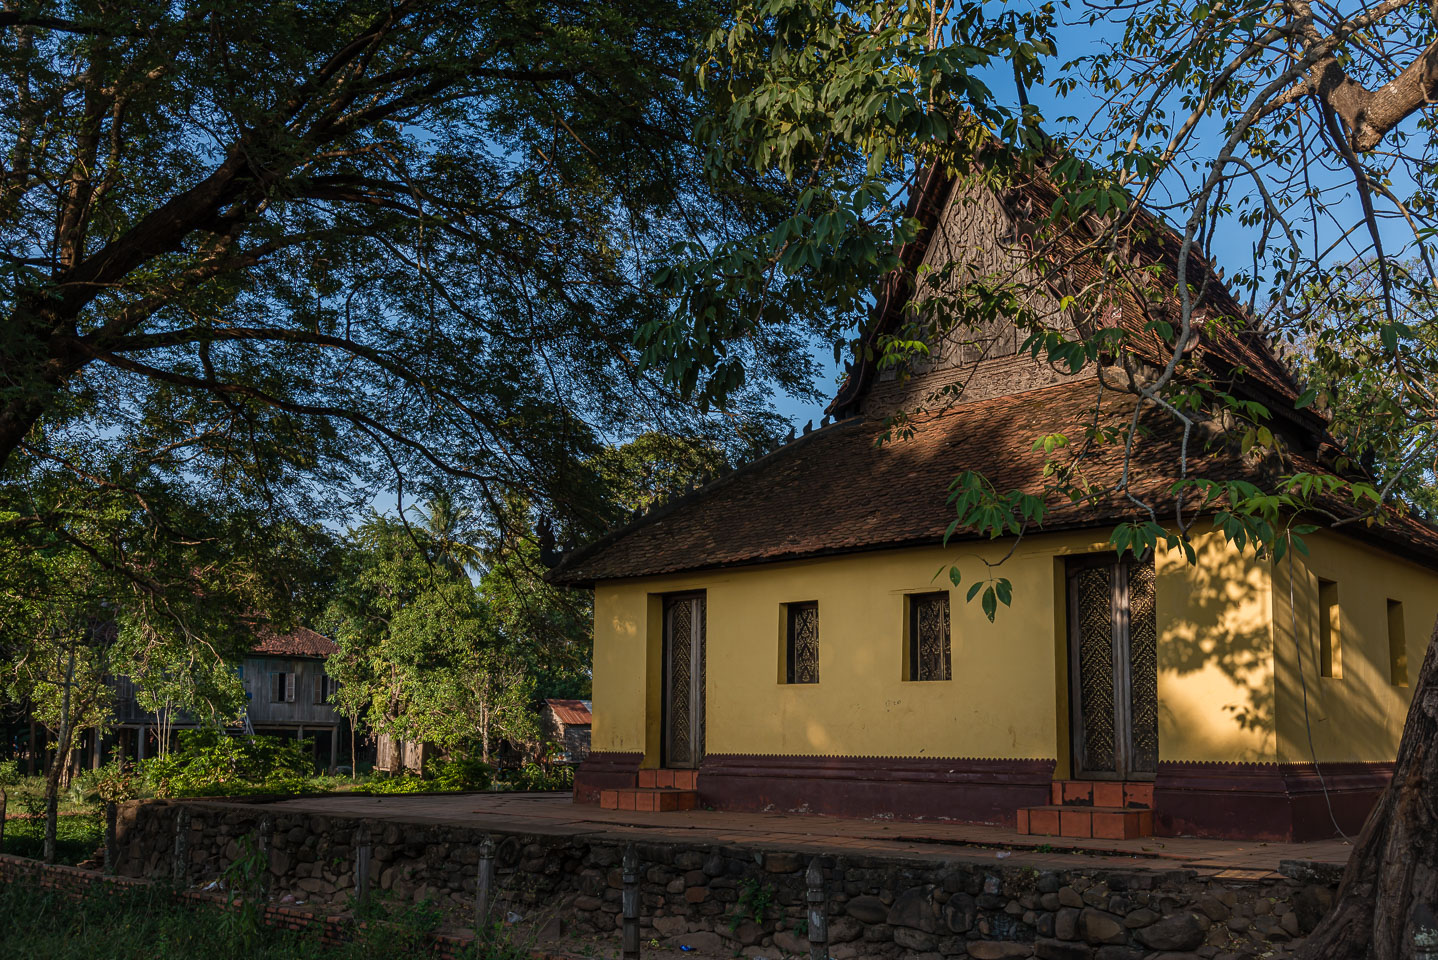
{"type": "Point", "coordinates": [1215, 653]}
{"type": "Point", "coordinates": [1008, 695]}
{"type": "Point", "coordinates": [1357, 716]}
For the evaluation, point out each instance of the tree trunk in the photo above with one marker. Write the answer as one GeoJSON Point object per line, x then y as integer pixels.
{"type": "Point", "coordinates": [1390, 887]}
{"type": "Point", "coordinates": [484, 732]}
{"type": "Point", "coordinates": [60, 763]}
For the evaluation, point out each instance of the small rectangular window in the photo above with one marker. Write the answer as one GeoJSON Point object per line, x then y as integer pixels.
{"type": "Point", "coordinates": [1397, 645]}
{"type": "Point", "coordinates": [1330, 635]}
{"type": "Point", "coordinates": [284, 688]}
{"type": "Point", "coordinates": [929, 636]}
{"type": "Point", "coordinates": [801, 646]}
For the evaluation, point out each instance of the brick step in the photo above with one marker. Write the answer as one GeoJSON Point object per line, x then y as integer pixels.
{"type": "Point", "coordinates": [1132, 794]}
{"type": "Point", "coordinates": [657, 799]}
{"type": "Point", "coordinates": [676, 779]}
{"type": "Point", "coordinates": [1104, 823]}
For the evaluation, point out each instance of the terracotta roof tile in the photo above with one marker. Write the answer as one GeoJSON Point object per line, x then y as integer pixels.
{"type": "Point", "coordinates": [301, 642]}
{"type": "Point", "coordinates": [836, 491]}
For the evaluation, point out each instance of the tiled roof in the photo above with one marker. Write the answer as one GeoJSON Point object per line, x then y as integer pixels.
{"type": "Point", "coordinates": [571, 712]}
{"type": "Point", "coordinates": [301, 642]}
{"type": "Point", "coordinates": [836, 491]}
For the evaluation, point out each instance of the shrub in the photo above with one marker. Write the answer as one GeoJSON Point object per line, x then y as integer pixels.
{"type": "Point", "coordinates": [534, 777]}
{"type": "Point", "coordinates": [211, 763]}
{"type": "Point", "coordinates": [404, 783]}
{"type": "Point", "coordinates": [462, 773]}
{"type": "Point", "coordinates": [454, 775]}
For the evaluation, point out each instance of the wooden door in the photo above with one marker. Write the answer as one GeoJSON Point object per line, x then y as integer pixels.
{"type": "Point", "coordinates": [1113, 669]}
{"type": "Point", "coordinates": [683, 680]}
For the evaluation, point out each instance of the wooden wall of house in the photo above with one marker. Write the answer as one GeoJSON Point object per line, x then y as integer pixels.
{"type": "Point", "coordinates": [576, 741]}
{"type": "Point", "coordinates": [258, 675]}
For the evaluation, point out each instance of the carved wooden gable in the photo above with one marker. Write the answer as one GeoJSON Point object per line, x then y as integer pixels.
{"type": "Point", "coordinates": [977, 235]}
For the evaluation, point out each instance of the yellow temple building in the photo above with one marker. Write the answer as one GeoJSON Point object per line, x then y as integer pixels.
{"type": "Point", "coordinates": [779, 639]}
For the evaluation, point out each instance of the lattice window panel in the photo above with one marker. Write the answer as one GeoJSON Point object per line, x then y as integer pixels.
{"type": "Point", "coordinates": [1143, 666]}
{"type": "Point", "coordinates": [681, 683]}
{"type": "Point", "coordinates": [802, 653]}
{"type": "Point", "coordinates": [929, 636]}
{"type": "Point", "coordinates": [1095, 666]}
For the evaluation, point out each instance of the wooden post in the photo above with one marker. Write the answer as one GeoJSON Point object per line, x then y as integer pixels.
{"type": "Point", "coordinates": [631, 903]}
{"type": "Point", "coordinates": [818, 912]}
{"type": "Point", "coordinates": [363, 854]}
{"type": "Point", "coordinates": [112, 852]}
{"type": "Point", "coordinates": [334, 748]}
{"type": "Point", "coordinates": [484, 888]}
{"type": "Point", "coordinates": [179, 867]}
{"type": "Point", "coordinates": [267, 843]}
{"type": "Point", "coordinates": [4, 802]}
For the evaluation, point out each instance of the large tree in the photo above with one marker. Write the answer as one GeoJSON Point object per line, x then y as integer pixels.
{"type": "Point", "coordinates": [296, 253]}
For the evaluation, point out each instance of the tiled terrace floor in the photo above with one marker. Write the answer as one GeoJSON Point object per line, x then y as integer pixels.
{"type": "Point", "coordinates": [557, 815]}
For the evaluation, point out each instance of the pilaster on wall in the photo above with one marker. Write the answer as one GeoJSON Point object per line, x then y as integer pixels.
{"type": "Point", "coordinates": [605, 771]}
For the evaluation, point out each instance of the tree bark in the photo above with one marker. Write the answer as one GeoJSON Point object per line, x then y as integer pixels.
{"type": "Point", "coordinates": [1390, 887]}
{"type": "Point", "coordinates": [60, 763]}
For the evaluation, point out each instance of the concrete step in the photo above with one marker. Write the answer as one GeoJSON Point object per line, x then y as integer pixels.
{"type": "Point", "coordinates": [656, 799]}
{"type": "Point", "coordinates": [1136, 794]}
{"type": "Point", "coordinates": [1105, 823]}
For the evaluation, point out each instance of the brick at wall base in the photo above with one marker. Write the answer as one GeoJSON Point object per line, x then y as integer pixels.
{"type": "Point", "coordinates": [334, 929]}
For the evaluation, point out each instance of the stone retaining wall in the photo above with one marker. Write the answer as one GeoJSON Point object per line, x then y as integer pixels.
{"type": "Point", "coordinates": [331, 929]}
{"type": "Point", "coordinates": [723, 900]}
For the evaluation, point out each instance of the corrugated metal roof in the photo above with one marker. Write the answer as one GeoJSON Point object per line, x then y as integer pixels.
{"type": "Point", "coordinates": [571, 712]}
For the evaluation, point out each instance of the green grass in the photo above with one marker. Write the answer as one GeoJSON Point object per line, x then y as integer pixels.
{"type": "Point", "coordinates": [146, 924]}
{"type": "Point", "coordinates": [28, 796]}
{"type": "Point", "coordinates": [76, 838]}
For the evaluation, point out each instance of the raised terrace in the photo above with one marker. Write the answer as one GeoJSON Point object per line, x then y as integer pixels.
{"type": "Point", "coordinates": [895, 889]}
